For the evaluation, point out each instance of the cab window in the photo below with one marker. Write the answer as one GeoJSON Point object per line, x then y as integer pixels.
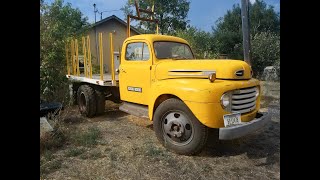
{"type": "Point", "coordinates": [138, 51]}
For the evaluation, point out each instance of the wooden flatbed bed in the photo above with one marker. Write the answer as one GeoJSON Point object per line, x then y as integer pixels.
{"type": "Point", "coordinates": [107, 80]}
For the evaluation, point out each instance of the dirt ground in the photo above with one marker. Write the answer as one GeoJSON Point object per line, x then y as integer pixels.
{"type": "Point", "coordinates": [127, 148]}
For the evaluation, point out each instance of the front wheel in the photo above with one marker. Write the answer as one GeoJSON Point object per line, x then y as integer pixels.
{"type": "Point", "coordinates": [178, 129]}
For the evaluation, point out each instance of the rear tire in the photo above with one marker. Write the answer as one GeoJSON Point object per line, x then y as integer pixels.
{"type": "Point", "coordinates": [101, 101]}
{"type": "Point", "coordinates": [178, 129]}
{"type": "Point", "coordinates": [86, 98]}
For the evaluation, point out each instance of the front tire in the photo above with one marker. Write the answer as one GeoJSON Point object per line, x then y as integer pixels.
{"type": "Point", "coordinates": [178, 129]}
{"type": "Point", "coordinates": [86, 98]}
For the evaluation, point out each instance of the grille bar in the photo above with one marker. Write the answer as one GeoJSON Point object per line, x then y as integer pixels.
{"type": "Point", "coordinates": [244, 100]}
{"type": "Point", "coordinates": [245, 110]}
{"type": "Point", "coordinates": [243, 96]}
{"type": "Point", "coordinates": [244, 91]}
{"type": "Point", "coordinates": [243, 106]}
{"type": "Point", "coordinates": [237, 102]}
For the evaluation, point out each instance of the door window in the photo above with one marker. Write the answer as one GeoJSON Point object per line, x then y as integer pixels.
{"type": "Point", "coordinates": [137, 52]}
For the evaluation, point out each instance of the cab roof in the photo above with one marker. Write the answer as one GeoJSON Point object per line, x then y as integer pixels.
{"type": "Point", "coordinates": [157, 37]}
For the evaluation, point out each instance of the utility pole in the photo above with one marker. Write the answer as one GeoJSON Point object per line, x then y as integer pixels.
{"type": "Point", "coordinates": [246, 31]}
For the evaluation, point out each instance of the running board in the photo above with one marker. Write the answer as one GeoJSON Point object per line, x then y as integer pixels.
{"type": "Point", "coordinates": [135, 109]}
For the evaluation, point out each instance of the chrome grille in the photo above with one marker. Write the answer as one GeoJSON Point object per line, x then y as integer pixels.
{"type": "Point", "coordinates": [244, 100]}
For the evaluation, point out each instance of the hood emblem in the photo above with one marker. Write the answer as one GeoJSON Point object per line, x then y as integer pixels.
{"type": "Point", "coordinates": [239, 73]}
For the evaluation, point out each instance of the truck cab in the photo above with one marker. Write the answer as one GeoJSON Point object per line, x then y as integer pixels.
{"type": "Point", "coordinates": [185, 97]}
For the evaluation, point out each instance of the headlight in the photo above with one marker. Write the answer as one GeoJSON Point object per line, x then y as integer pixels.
{"type": "Point", "coordinates": [225, 100]}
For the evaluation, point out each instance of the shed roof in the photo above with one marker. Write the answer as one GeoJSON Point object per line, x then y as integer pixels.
{"type": "Point", "coordinates": [115, 18]}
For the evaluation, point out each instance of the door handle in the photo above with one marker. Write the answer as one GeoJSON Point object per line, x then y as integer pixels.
{"type": "Point", "coordinates": [122, 70]}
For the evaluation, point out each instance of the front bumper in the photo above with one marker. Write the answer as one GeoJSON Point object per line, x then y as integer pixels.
{"type": "Point", "coordinates": [245, 128]}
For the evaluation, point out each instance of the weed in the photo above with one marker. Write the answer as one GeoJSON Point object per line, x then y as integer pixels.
{"type": "Point", "coordinates": [50, 166]}
{"type": "Point", "coordinates": [48, 155]}
{"type": "Point", "coordinates": [74, 152]}
{"type": "Point", "coordinates": [152, 151]}
{"type": "Point", "coordinates": [87, 138]}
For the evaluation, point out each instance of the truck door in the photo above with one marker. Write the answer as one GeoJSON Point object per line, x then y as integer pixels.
{"type": "Point", "coordinates": [135, 71]}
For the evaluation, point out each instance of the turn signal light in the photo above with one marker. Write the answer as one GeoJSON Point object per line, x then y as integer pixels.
{"type": "Point", "coordinates": [212, 77]}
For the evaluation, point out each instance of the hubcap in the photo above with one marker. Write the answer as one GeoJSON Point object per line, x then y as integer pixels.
{"type": "Point", "coordinates": [177, 128]}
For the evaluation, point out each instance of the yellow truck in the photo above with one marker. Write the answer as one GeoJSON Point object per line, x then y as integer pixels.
{"type": "Point", "coordinates": [159, 78]}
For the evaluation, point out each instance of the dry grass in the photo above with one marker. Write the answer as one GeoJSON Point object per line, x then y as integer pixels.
{"type": "Point", "coordinates": [72, 152]}
{"type": "Point", "coordinates": [120, 146]}
{"type": "Point", "coordinates": [86, 138]}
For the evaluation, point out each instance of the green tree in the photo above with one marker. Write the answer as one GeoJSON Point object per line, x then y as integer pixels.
{"type": "Point", "coordinates": [200, 42]}
{"type": "Point", "coordinates": [228, 29]}
{"type": "Point", "coordinates": [57, 23]}
{"type": "Point", "coordinates": [172, 15]}
{"type": "Point", "coordinates": [265, 51]}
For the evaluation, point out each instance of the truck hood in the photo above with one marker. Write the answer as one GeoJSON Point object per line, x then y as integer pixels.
{"type": "Point", "coordinates": [201, 68]}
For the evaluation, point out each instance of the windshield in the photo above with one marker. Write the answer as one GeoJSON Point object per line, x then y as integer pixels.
{"type": "Point", "coordinates": [172, 50]}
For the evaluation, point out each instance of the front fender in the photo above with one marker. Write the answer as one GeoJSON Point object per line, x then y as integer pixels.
{"type": "Point", "coordinates": [201, 96]}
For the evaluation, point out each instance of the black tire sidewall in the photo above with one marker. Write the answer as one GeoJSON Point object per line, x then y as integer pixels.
{"type": "Point", "coordinates": [200, 132]}
{"type": "Point", "coordinates": [90, 100]}
{"type": "Point", "coordinates": [100, 102]}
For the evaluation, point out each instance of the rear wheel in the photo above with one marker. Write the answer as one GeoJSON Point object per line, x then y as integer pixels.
{"type": "Point", "coordinates": [178, 129]}
{"type": "Point", "coordinates": [101, 101]}
{"type": "Point", "coordinates": [86, 98]}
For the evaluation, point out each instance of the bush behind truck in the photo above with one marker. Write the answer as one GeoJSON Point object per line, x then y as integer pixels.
{"type": "Point", "coordinates": [160, 79]}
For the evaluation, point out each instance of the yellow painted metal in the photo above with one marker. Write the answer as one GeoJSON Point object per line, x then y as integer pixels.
{"type": "Point", "coordinates": [128, 26]}
{"type": "Point", "coordinates": [152, 9]}
{"type": "Point", "coordinates": [112, 61]}
{"type": "Point", "coordinates": [89, 56]}
{"type": "Point", "coordinates": [67, 58]}
{"type": "Point", "coordinates": [135, 74]}
{"type": "Point", "coordinates": [200, 95]}
{"type": "Point", "coordinates": [157, 28]}
{"type": "Point", "coordinates": [101, 56]}
{"type": "Point", "coordinates": [77, 57]}
{"type": "Point", "coordinates": [84, 56]}
{"type": "Point", "coordinates": [225, 69]}
{"type": "Point", "coordinates": [73, 58]}
{"type": "Point", "coordinates": [154, 37]}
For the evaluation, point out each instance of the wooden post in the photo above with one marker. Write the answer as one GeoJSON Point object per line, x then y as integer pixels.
{"type": "Point", "coordinates": [101, 56]}
{"type": "Point", "coordinates": [89, 56]}
{"type": "Point", "coordinates": [84, 56]}
{"type": "Point", "coordinates": [73, 58]}
{"type": "Point", "coordinates": [67, 58]}
{"type": "Point", "coordinates": [112, 61]}
{"type": "Point", "coordinates": [128, 25]}
{"type": "Point", "coordinates": [77, 57]}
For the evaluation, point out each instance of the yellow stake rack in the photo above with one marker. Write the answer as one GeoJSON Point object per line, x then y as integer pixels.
{"type": "Point", "coordinates": [101, 56]}
{"type": "Point", "coordinates": [84, 56]}
{"type": "Point", "coordinates": [112, 60]}
{"type": "Point", "coordinates": [77, 57]}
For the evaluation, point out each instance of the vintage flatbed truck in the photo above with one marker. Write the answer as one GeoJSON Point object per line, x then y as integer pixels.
{"type": "Point", "coordinates": [160, 79]}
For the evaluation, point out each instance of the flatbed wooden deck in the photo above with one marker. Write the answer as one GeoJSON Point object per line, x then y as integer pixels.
{"type": "Point", "coordinates": [107, 80]}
